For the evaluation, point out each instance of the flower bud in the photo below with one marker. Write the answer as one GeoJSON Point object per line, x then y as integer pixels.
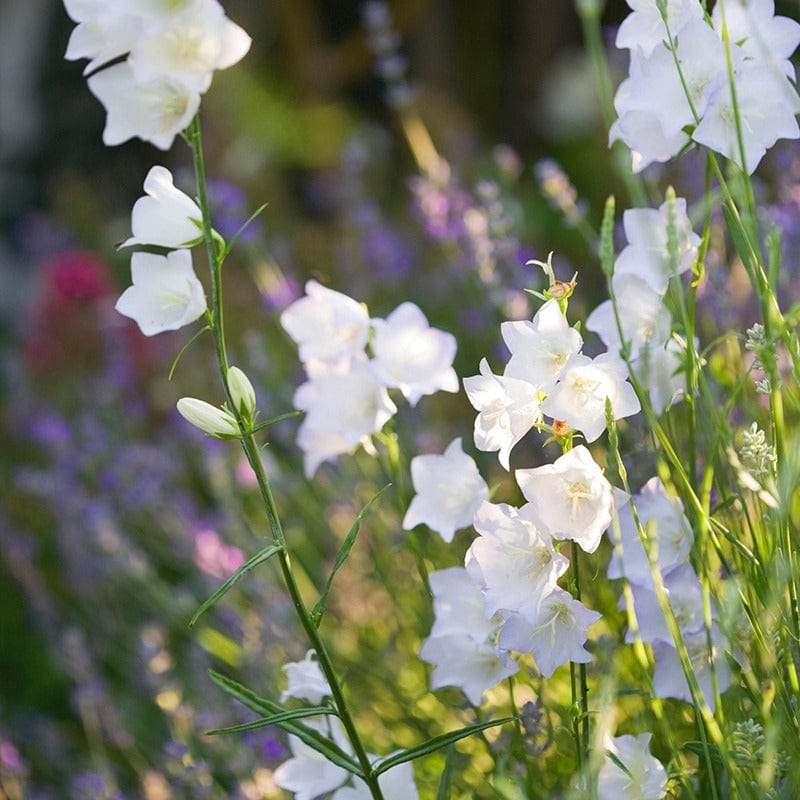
{"type": "Point", "coordinates": [242, 393]}
{"type": "Point", "coordinates": [210, 419]}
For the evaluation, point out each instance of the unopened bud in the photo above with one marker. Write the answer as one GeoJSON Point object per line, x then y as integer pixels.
{"type": "Point", "coordinates": [210, 419]}
{"type": "Point", "coordinates": [242, 393]}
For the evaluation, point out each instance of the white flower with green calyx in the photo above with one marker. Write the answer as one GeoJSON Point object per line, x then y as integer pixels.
{"type": "Point", "coordinates": [166, 294]}
{"type": "Point", "coordinates": [633, 773]}
{"type": "Point", "coordinates": [306, 680]}
{"type": "Point", "coordinates": [216, 422]}
{"type": "Point", "coordinates": [165, 216]}
{"type": "Point", "coordinates": [242, 393]}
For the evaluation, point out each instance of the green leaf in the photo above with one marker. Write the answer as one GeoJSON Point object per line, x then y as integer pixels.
{"type": "Point", "coordinates": [607, 237]}
{"type": "Point", "coordinates": [443, 792]}
{"type": "Point", "coordinates": [274, 719]}
{"type": "Point", "coordinates": [739, 238]}
{"type": "Point", "coordinates": [437, 743]}
{"type": "Point", "coordinates": [184, 348]}
{"type": "Point", "coordinates": [700, 749]}
{"type": "Point", "coordinates": [309, 736]}
{"type": "Point", "coordinates": [226, 251]}
{"type": "Point", "coordinates": [257, 559]}
{"type": "Point", "coordinates": [341, 557]}
{"type": "Point", "coordinates": [272, 420]}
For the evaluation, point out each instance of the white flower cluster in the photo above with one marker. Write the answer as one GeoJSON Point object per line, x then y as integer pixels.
{"type": "Point", "coordinates": [171, 48]}
{"type": "Point", "coordinates": [512, 565]}
{"type": "Point", "coordinates": [346, 398]}
{"type": "Point", "coordinates": [642, 273]}
{"type": "Point", "coordinates": [308, 773]}
{"type": "Point", "coordinates": [679, 89]}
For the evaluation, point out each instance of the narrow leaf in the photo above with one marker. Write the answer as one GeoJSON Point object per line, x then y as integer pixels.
{"type": "Point", "coordinates": [274, 719]}
{"type": "Point", "coordinates": [272, 420]}
{"type": "Point", "coordinates": [607, 237]}
{"type": "Point", "coordinates": [309, 736]}
{"type": "Point", "coordinates": [443, 792]}
{"type": "Point", "coordinates": [257, 559]}
{"type": "Point", "coordinates": [341, 557]}
{"type": "Point", "coordinates": [739, 238]}
{"type": "Point", "coordinates": [238, 233]}
{"type": "Point", "coordinates": [184, 348]}
{"type": "Point", "coordinates": [437, 743]}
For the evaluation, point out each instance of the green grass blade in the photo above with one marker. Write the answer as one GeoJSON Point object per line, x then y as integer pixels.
{"type": "Point", "coordinates": [274, 719]}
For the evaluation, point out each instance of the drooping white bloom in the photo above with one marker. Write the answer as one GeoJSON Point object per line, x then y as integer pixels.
{"type": "Point", "coordinates": [458, 605]}
{"type": "Point", "coordinates": [412, 356]}
{"type": "Point", "coordinates": [643, 317]}
{"type": "Point", "coordinates": [473, 666]}
{"type": "Point", "coordinates": [685, 596]}
{"type": "Point", "coordinates": [765, 38]}
{"type": "Point", "coordinates": [306, 680]}
{"type": "Point", "coordinates": [644, 28]}
{"type": "Point", "coordinates": [449, 489]}
{"type": "Point", "coordinates": [767, 105]}
{"type": "Point", "coordinates": [512, 560]}
{"type": "Point", "coordinates": [571, 497]}
{"type": "Point", "coordinates": [668, 530]}
{"type": "Point", "coordinates": [165, 295]}
{"type": "Point", "coordinates": [396, 783]}
{"type": "Point", "coordinates": [308, 773]}
{"type": "Point", "coordinates": [508, 409]}
{"type": "Point", "coordinates": [540, 348]}
{"type": "Point", "coordinates": [210, 419]}
{"type": "Point", "coordinates": [585, 384]}
{"type": "Point", "coordinates": [188, 45]}
{"type": "Point", "coordinates": [669, 679]}
{"type": "Point", "coordinates": [647, 254]}
{"type": "Point", "coordinates": [342, 409]}
{"type": "Point", "coordinates": [155, 111]}
{"type": "Point", "coordinates": [644, 777]}
{"type": "Point", "coordinates": [643, 133]}
{"type": "Point", "coordinates": [660, 370]}
{"type": "Point", "coordinates": [164, 215]}
{"type": "Point", "coordinates": [327, 326]}
{"type": "Point", "coordinates": [555, 634]}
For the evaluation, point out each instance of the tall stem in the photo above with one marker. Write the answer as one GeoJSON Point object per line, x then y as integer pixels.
{"type": "Point", "coordinates": [251, 450]}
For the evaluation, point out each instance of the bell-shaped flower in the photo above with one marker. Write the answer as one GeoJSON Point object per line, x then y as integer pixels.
{"type": "Point", "coordinates": [306, 680]}
{"type": "Point", "coordinates": [458, 605]}
{"type": "Point", "coordinates": [644, 134]}
{"type": "Point", "coordinates": [474, 666]}
{"type": "Point", "coordinates": [165, 295]}
{"type": "Point", "coordinates": [449, 489]}
{"type": "Point", "coordinates": [644, 28]}
{"type": "Point", "coordinates": [571, 497]}
{"type": "Point", "coordinates": [155, 111]}
{"type": "Point", "coordinates": [641, 776]}
{"type": "Point", "coordinates": [647, 254]}
{"type": "Point", "coordinates": [328, 326]}
{"type": "Point", "coordinates": [512, 559]}
{"type": "Point", "coordinates": [212, 420]}
{"type": "Point", "coordinates": [308, 773]}
{"type": "Point", "coordinates": [659, 369]}
{"type": "Point", "coordinates": [540, 348]}
{"type": "Point", "coordinates": [668, 532]}
{"type": "Point", "coordinates": [764, 38]}
{"type": "Point", "coordinates": [766, 103]}
{"type": "Point", "coordinates": [555, 634]}
{"type": "Point", "coordinates": [585, 384]}
{"type": "Point", "coordinates": [707, 657]}
{"type": "Point", "coordinates": [164, 216]}
{"type": "Point", "coordinates": [412, 356]}
{"type": "Point", "coordinates": [188, 45]}
{"type": "Point", "coordinates": [685, 597]}
{"type": "Point", "coordinates": [342, 409]}
{"type": "Point", "coordinates": [396, 783]}
{"type": "Point", "coordinates": [508, 408]}
{"type": "Point", "coordinates": [643, 317]}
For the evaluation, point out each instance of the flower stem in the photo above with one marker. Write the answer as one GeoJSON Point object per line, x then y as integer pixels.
{"type": "Point", "coordinates": [251, 450]}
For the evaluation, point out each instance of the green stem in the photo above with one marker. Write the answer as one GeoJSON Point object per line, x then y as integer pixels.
{"type": "Point", "coordinates": [251, 450]}
{"type": "Point", "coordinates": [581, 722]}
